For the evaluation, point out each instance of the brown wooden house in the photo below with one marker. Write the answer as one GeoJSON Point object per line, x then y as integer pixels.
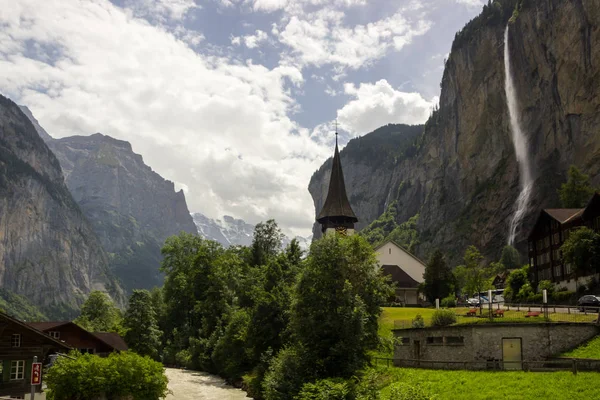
{"type": "Point", "coordinates": [19, 343]}
{"type": "Point", "coordinates": [551, 230]}
{"type": "Point", "coordinates": [100, 343]}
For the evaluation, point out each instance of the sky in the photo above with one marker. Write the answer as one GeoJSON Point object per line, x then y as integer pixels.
{"type": "Point", "coordinates": [233, 100]}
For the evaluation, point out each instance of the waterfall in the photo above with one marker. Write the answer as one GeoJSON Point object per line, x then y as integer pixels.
{"type": "Point", "coordinates": [521, 147]}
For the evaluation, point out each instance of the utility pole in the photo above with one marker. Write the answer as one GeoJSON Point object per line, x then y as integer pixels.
{"type": "Point", "coordinates": [31, 378]}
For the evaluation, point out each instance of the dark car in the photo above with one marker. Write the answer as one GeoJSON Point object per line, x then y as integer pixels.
{"type": "Point", "coordinates": [588, 301]}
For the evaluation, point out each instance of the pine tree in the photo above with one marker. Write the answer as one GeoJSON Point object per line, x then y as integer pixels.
{"type": "Point", "coordinates": [438, 278]}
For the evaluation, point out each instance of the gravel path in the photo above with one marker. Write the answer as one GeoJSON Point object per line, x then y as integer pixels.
{"type": "Point", "coordinates": [194, 385]}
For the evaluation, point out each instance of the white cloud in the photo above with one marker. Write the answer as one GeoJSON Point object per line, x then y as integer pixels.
{"type": "Point", "coordinates": [377, 104]}
{"type": "Point", "coordinates": [160, 10]}
{"type": "Point", "coordinates": [471, 3]}
{"type": "Point", "coordinates": [251, 41]}
{"type": "Point", "coordinates": [214, 125]}
{"type": "Point", "coordinates": [321, 38]}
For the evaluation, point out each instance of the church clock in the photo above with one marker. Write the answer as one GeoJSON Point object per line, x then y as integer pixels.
{"type": "Point", "coordinates": [342, 230]}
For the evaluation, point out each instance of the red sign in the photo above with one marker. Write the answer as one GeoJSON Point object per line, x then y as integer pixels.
{"type": "Point", "coordinates": [36, 373]}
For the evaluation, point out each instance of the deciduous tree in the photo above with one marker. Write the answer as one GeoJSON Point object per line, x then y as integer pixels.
{"type": "Point", "coordinates": [142, 333]}
{"type": "Point", "coordinates": [99, 314]}
{"type": "Point", "coordinates": [582, 251]}
{"type": "Point", "coordinates": [576, 192]}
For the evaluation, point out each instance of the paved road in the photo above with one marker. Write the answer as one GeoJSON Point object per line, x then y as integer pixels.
{"type": "Point", "coordinates": [193, 385]}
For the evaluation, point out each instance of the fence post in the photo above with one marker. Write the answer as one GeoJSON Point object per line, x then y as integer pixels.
{"type": "Point", "coordinates": [574, 367]}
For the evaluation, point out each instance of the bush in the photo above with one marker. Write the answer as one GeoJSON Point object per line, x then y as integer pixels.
{"type": "Point", "coordinates": [535, 298]}
{"type": "Point", "coordinates": [563, 297]}
{"type": "Point", "coordinates": [405, 391]}
{"type": "Point", "coordinates": [119, 375]}
{"type": "Point", "coordinates": [548, 286]}
{"type": "Point", "coordinates": [418, 322]}
{"type": "Point", "coordinates": [443, 318]}
{"type": "Point", "coordinates": [326, 389]}
{"type": "Point", "coordinates": [286, 375]}
{"type": "Point", "coordinates": [449, 302]}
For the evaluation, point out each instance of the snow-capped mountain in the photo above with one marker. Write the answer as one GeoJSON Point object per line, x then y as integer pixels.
{"type": "Point", "coordinates": [232, 231]}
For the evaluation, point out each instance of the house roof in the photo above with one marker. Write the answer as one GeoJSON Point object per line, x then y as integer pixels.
{"type": "Point", "coordinates": [45, 326]}
{"type": "Point", "coordinates": [34, 330]}
{"type": "Point", "coordinates": [594, 203]}
{"type": "Point", "coordinates": [401, 248]}
{"type": "Point", "coordinates": [336, 203]}
{"type": "Point", "coordinates": [563, 215]}
{"type": "Point", "coordinates": [112, 339]}
{"type": "Point", "coordinates": [400, 277]}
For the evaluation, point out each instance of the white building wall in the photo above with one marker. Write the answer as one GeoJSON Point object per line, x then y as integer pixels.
{"type": "Point", "coordinates": [390, 254]}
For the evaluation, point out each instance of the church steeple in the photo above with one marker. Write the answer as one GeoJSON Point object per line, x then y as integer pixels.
{"type": "Point", "coordinates": [337, 213]}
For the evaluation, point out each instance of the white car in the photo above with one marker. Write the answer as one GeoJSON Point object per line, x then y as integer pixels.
{"type": "Point", "coordinates": [473, 302]}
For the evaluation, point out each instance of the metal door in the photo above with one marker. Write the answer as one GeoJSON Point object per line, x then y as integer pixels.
{"type": "Point", "coordinates": [511, 353]}
{"type": "Point", "coordinates": [417, 349]}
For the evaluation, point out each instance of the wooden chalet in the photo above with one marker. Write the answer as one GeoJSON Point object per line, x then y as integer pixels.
{"type": "Point", "coordinates": [551, 230]}
{"type": "Point", "coordinates": [19, 343]}
{"type": "Point", "coordinates": [100, 343]}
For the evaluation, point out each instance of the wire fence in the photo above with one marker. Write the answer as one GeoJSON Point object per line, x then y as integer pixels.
{"type": "Point", "coordinates": [559, 364]}
{"type": "Point", "coordinates": [512, 313]}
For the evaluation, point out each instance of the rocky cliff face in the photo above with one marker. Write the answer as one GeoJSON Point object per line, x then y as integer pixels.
{"type": "Point", "coordinates": [464, 178]}
{"type": "Point", "coordinates": [132, 209]}
{"type": "Point", "coordinates": [48, 251]}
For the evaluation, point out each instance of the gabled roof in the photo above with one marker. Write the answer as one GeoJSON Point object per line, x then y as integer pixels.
{"type": "Point", "coordinates": [563, 215]}
{"type": "Point", "coordinates": [108, 338]}
{"type": "Point", "coordinates": [34, 331]}
{"type": "Point", "coordinates": [112, 339]}
{"type": "Point", "coordinates": [45, 326]}
{"type": "Point", "coordinates": [336, 203]}
{"type": "Point", "coordinates": [401, 248]}
{"type": "Point", "coordinates": [400, 277]}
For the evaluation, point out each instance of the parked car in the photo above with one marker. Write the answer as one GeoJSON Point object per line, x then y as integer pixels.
{"type": "Point", "coordinates": [473, 302]}
{"type": "Point", "coordinates": [588, 301]}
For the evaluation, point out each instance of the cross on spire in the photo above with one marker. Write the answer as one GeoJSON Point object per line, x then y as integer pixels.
{"type": "Point", "coordinates": [336, 132]}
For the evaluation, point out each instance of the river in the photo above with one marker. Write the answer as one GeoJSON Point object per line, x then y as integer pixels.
{"type": "Point", "coordinates": [194, 385]}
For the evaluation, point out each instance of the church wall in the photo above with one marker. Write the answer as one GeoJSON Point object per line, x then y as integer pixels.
{"type": "Point", "coordinates": [390, 254]}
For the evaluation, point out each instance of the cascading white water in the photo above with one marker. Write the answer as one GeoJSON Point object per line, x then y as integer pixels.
{"type": "Point", "coordinates": [521, 147]}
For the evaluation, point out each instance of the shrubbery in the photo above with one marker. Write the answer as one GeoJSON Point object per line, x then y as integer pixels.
{"type": "Point", "coordinates": [443, 318]}
{"type": "Point", "coordinates": [326, 389]}
{"type": "Point", "coordinates": [448, 302]}
{"type": "Point", "coordinates": [406, 391]}
{"type": "Point", "coordinates": [418, 322]}
{"type": "Point", "coordinates": [117, 376]}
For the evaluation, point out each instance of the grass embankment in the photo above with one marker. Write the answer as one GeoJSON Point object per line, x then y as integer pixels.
{"type": "Point", "coordinates": [480, 385]}
{"type": "Point", "coordinates": [483, 385]}
{"type": "Point", "coordinates": [590, 350]}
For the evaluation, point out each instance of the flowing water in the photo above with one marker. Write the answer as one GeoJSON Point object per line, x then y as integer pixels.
{"type": "Point", "coordinates": [194, 385]}
{"type": "Point", "coordinates": [521, 147]}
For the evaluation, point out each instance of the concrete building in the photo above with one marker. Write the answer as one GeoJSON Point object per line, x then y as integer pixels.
{"type": "Point", "coordinates": [482, 346]}
{"type": "Point", "coordinates": [405, 269]}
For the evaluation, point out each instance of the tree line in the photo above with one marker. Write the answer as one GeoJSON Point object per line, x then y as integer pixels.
{"type": "Point", "coordinates": [284, 323]}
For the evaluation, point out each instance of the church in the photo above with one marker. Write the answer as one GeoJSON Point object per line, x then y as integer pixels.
{"type": "Point", "coordinates": [337, 216]}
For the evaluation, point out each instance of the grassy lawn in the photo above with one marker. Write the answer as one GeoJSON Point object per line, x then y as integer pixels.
{"type": "Point", "coordinates": [590, 349]}
{"type": "Point", "coordinates": [475, 385]}
{"type": "Point", "coordinates": [483, 385]}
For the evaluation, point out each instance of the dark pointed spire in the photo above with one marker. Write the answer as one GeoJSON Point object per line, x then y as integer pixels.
{"type": "Point", "coordinates": [336, 207]}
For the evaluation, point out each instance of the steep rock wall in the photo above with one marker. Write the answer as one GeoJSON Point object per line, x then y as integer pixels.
{"type": "Point", "coordinates": [48, 251]}
{"type": "Point", "coordinates": [464, 179]}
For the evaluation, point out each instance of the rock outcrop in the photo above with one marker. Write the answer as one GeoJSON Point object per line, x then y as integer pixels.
{"type": "Point", "coordinates": [464, 178]}
{"type": "Point", "coordinates": [132, 209]}
{"type": "Point", "coordinates": [48, 250]}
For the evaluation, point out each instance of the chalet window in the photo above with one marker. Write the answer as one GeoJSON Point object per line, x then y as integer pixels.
{"type": "Point", "coordinates": [435, 340]}
{"type": "Point", "coordinates": [531, 261]}
{"type": "Point", "coordinates": [454, 340]}
{"type": "Point", "coordinates": [17, 370]}
{"type": "Point", "coordinates": [540, 244]}
{"type": "Point", "coordinates": [547, 241]}
{"type": "Point", "coordinates": [15, 340]}
{"type": "Point", "coordinates": [556, 238]}
{"type": "Point", "coordinates": [87, 350]}
{"type": "Point", "coordinates": [530, 246]}
{"type": "Point", "coordinates": [54, 334]}
{"type": "Point", "coordinates": [557, 271]}
{"type": "Point", "coordinates": [390, 250]}
{"type": "Point", "coordinates": [568, 269]}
